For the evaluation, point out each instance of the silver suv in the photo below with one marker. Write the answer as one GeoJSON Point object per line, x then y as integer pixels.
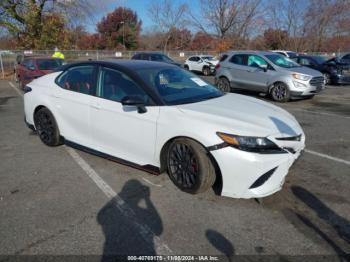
{"type": "Point", "coordinates": [267, 72]}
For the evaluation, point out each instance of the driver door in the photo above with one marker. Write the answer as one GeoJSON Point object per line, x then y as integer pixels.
{"type": "Point", "coordinates": [118, 130]}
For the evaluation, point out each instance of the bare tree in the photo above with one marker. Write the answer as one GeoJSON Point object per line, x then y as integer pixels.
{"type": "Point", "coordinates": [225, 16]}
{"type": "Point", "coordinates": [167, 15]}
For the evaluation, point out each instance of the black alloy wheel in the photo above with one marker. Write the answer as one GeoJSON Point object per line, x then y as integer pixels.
{"type": "Point", "coordinates": [46, 127]}
{"type": "Point", "coordinates": [189, 166]}
{"type": "Point", "coordinates": [280, 92]}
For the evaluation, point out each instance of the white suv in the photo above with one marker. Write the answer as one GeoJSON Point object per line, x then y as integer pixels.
{"type": "Point", "coordinates": [201, 63]}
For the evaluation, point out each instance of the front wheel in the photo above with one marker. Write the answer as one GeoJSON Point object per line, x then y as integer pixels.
{"type": "Point", "coordinates": [47, 128]}
{"type": "Point", "coordinates": [224, 85]}
{"type": "Point", "coordinates": [280, 92]}
{"type": "Point", "coordinates": [189, 166]}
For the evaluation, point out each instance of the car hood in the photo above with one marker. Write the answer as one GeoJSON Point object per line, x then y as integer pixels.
{"type": "Point", "coordinates": [213, 62]}
{"type": "Point", "coordinates": [303, 70]}
{"type": "Point", "coordinates": [243, 115]}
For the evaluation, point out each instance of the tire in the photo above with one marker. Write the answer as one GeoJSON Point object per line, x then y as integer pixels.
{"type": "Point", "coordinates": [186, 67]}
{"type": "Point", "coordinates": [224, 85]}
{"type": "Point", "coordinates": [327, 78]}
{"type": "Point", "coordinates": [280, 92]}
{"type": "Point", "coordinates": [189, 166]}
{"type": "Point", "coordinates": [206, 71]}
{"type": "Point", "coordinates": [46, 127]}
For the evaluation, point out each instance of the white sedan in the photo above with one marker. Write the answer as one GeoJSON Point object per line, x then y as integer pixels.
{"type": "Point", "coordinates": [162, 118]}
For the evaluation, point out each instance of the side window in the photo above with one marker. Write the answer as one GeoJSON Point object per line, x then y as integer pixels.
{"type": "Point", "coordinates": [137, 56]}
{"type": "Point", "coordinates": [30, 64]}
{"type": "Point", "coordinates": [239, 60]}
{"type": "Point", "coordinates": [346, 56]}
{"type": "Point", "coordinates": [256, 61]}
{"type": "Point", "coordinates": [194, 58]}
{"type": "Point", "coordinates": [25, 62]}
{"type": "Point", "coordinates": [115, 85]}
{"type": "Point", "coordinates": [304, 61]}
{"type": "Point", "coordinates": [79, 79]}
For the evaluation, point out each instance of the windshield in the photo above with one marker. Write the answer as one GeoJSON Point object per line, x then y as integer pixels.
{"type": "Point", "coordinates": [319, 59]}
{"type": "Point", "coordinates": [161, 58]}
{"type": "Point", "coordinates": [282, 61]}
{"type": "Point", "coordinates": [209, 58]}
{"type": "Point", "coordinates": [49, 64]}
{"type": "Point", "coordinates": [177, 86]}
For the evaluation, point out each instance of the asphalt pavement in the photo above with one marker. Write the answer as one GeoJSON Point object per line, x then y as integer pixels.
{"type": "Point", "coordinates": [61, 201]}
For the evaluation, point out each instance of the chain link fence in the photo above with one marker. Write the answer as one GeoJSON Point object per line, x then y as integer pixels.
{"type": "Point", "coordinates": [8, 59]}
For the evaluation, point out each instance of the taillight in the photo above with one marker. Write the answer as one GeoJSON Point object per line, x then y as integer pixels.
{"type": "Point", "coordinates": [217, 66]}
{"type": "Point", "coordinates": [27, 89]}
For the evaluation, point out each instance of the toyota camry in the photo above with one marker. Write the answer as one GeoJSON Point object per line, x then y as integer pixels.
{"type": "Point", "coordinates": [161, 118]}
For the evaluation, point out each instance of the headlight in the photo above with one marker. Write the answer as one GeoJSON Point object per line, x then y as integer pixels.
{"type": "Point", "coordinates": [301, 77]}
{"type": "Point", "coordinates": [251, 144]}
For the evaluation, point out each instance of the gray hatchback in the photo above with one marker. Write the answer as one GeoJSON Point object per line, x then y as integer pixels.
{"type": "Point", "coordinates": [267, 72]}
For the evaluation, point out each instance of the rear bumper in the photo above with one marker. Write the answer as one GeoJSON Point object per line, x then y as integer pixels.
{"type": "Point", "coordinates": [252, 175]}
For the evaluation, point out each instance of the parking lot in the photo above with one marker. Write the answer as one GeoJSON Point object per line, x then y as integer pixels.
{"type": "Point", "coordinates": [61, 201]}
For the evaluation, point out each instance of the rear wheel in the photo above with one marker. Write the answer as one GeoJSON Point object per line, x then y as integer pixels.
{"type": "Point", "coordinates": [186, 67]}
{"type": "Point", "coordinates": [280, 92]}
{"type": "Point", "coordinates": [47, 128]}
{"type": "Point", "coordinates": [206, 71]}
{"type": "Point", "coordinates": [224, 85]}
{"type": "Point", "coordinates": [189, 166]}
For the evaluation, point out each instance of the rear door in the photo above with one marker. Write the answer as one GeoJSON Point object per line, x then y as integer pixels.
{"type": "Point", "coordinates": [238, 67]}
{"type": "Point", "coordinates": [72, 102]}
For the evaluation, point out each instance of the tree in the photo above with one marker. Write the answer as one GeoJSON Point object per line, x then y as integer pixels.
{"type": "Point", "coordinates": [167, 15]}
{"type": "Point", "coordinates": [225, 16]}
{"type": "Point", "coordinates": [120, 27]}
{"type": "Point", "coordinates": [27, 19]}
{"type": "Point", "coordinates": [180, 39]}
{"type": "Point", "coordinates": [275, 38]}
{"type": "Point", "coordinates": [202, 41]}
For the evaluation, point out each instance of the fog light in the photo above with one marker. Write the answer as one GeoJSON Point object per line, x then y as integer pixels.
{"type": "Point", "coordinates": [298, 84]}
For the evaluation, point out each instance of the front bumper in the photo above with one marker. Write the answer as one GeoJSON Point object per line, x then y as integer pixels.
{"type": "Point", "coordinates": [340, 79]}
{"type": "Point", "coordinates": [300, 88]}
{"type": "Point", "coordinates": [253, 175]}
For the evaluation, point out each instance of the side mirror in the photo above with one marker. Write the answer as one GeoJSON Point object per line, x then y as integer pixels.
{"type": "Point", "coordinates": [263, 67]}
{"type": "Point", "coordinates": [136, 101]}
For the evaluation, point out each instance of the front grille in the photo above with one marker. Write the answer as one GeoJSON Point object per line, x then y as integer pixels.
{"type": "Point", "coordinates": [317, 81]}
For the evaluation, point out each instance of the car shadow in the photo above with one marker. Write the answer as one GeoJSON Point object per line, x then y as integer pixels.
{"type": "Point", "coordinates": [119, 220]}
{"type": "Point", "coordinates": [339, 224]}
{"type": "Point", "coordinates": [220, 243]}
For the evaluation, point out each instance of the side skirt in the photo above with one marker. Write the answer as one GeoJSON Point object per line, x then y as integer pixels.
{"type": "Point", "coordinates": [147, 168]}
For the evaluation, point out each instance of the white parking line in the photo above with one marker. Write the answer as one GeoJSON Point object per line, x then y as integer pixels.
{"type": "Point", "coordinates": [328, 157]}
{"type": "Point", "coordinates": [318, 112]}
{"type": "Point", "coordinates": [145, 231]}
{"type": "Point", "coordinates": [149, 182]}
{"type": "Point", "coordinates": [16, 89]}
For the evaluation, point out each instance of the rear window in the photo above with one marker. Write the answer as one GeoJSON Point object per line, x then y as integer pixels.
{"type": "Point", "coordinates": [223, 58]}
{"type": "Point", "coordinates": [49, 64]}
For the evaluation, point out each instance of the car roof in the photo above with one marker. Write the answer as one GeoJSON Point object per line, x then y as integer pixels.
{"type": "Point", "coordinates": [257, 52]}
{"type": "Point", "coordinates": [150, 53]}
{"type": "Point", "coordinates": [127, 64]}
